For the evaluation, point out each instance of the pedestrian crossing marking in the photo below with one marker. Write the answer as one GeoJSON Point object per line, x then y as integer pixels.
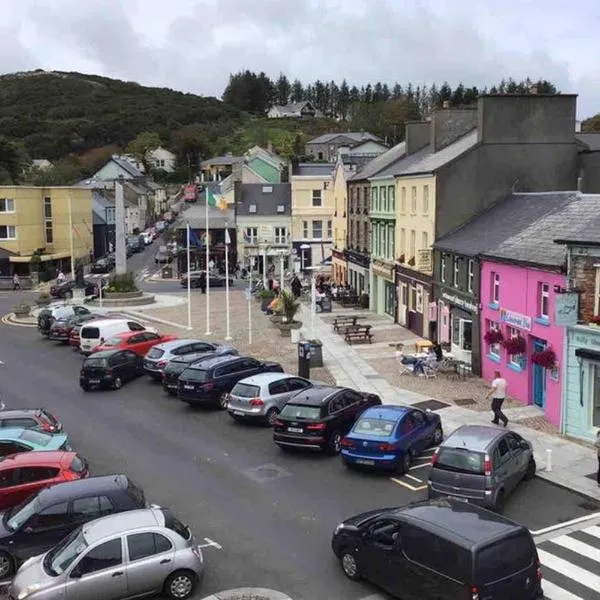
{"type": "Point", "coordinates": [595, 531]}
{"type": "Point", "coordinates": [576, 546]}
{"type": "Point", "coordinates": [564, 566]}
{"type": "Point", "coordinates": [553, 592]}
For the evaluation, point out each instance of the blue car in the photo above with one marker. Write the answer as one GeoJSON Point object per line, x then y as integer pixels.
{"type": "Point", "coordinates": [15, 439]}
{"type": "Point", "coordinates": [388, 437]}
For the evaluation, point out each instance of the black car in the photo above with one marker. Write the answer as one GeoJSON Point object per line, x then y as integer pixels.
{"type": "Point", "coordinates": [43, 520]}
{"type": "Point", "coordinates": [196, 278]}
{"type": "Point", "coordinates": [176, 366]}
{"type": "Point", "coordinates": [60, 330]}
{"type": "Point", "coordinates": [109, 369]}
{"type": "Point", "coordinates": [441, 548]}
{"type": "Point", "coordinates": [319, 417]}
{"type": "Point", "coordinates": [65, 290]}
{"type": "Point", "coordinates": [31, 418]}
{"type": "Point", "coordinates": [102, 265]}
{"type": "Point", "coordinates": [211, 381]}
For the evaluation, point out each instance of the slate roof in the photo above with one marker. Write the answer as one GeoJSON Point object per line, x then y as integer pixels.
{"type": "Point", "coordinates": [523, 228]}
{"type": "Point", "coordinates": [266, 202]}
{"type": "Point", "coordinates": [591, 141]}
{"type": "Point", "coordinates": [93, 184]}
{"type": "Point", "coordinates": [425, 161]}
{"type": "Point", "coordinates": [314, 170]}
{"type": "Point", "coordinates": [103, 200]}
{"type": "Point", "coordinates": [222, 161]}
{"type": "Point", "coordinates": [127, 166]}
{"type": "Point", "coordinates": [356, 136]}
{"type": "Point", "coordinates": [589, 234]}
{"type": "Point", "coordinates": [295, 108]}
{"type": "Point", "coordinates": [383, 161]}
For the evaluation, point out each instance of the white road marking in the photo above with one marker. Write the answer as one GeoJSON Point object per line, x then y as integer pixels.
{"type": "Point", "coordinates": [553, 592]}
{"type": "Point", "coordinates": [408, 486]}
{"type": "Point", "coordinates": [594, 530]}
{"type": "Point", "coordinates": [210, 543]}
{"type": "Point", "coordinates": [413, 478]}
{"type": "Point", "coordinates": [584, 577]}
{"type": "Point", "coordinates": [427, 464]}
{"type": "Point", "coordinates": [572, 522]}
{"type": "Point", "coordinates": [576, 546]}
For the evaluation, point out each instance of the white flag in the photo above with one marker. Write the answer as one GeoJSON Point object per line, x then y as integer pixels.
{"type": "Point", "coordinates": [227, 238]}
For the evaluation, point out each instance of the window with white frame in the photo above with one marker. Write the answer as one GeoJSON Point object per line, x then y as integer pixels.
{"type": "Point", "coordinates": [402, 249]}
{"type": "Point", "coordinates": [425, 199]}
{"type": "Point", "coordinates": [329, 229]}
{"type": "Point", "coordinates": [495, 287]}
{"type": "Point", "coordinates": [455, 272]}
{"type": "Point", "coordinates": [443, 267]}
{"type": "Point", "coordinates": [305, 229]}
{"type": "Point", "coordinates": [470, 275]}
{"type": "Point", "coordinates": [7, 205]}
{"type": "Point", "coordinates": [317, 230]}
{"type": "Point", "coordinates": [383, 198]}
{"type": "Point", "coordinates": [403, 201]}
{"type": "Point", "coordinates": [544, 293]}
{"type": "Point", "coordinates": [424, 241]}
{"type": "Point", "coordinates": [8, 232]}
{"type": "Point", "coordinates": [48, 220]}
{"type": "Point", "coordinates": [391, 243]}
{"type": "Point", "coordinates": [419, 297]}
{"type": "Point", "coordinates": [413, 236]}
{"type": "Point", "coordinates": [374, 200]}
{"type": "Point", "coordinates": [252, 208]}
{"type": "Point", "coordinates": [251, 235]}
{"type": "Point", "coordinates": [391, 198]}
{"type": "Point", "coordinates": [316, 198]}
{"type": "Point", "coordinates": [516, 360]}
{"type": "Point", "coordinates": [597, 293]}
{"type": "Point", "coordinates": [280, 235]}
{"type": "Point", "coordinates": [493, 348]}
{"type": "Point", "coordinates": [413, 199]}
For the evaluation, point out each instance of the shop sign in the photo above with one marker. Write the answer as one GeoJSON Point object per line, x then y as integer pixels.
{"type": "Point", "coordinates": [425, 260]}
{"type": "Point", "coordinates": [515, 319]}
{"type": "Point", "coordinates": [460, 302]}
{"type": "Point", "coordinates": [566, 309]}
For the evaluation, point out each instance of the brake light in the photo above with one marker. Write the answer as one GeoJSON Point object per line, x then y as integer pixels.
{"type": "Point", "coordinates": [278, 423]}
{"type": "Point", "coordinates": [487, 466]}
{"type": "Point", "coordinates": [256, 402]}
{"type": "Point", "coordinates": [347, 443]}
{"type": "Point", "coordinates": [316, 427]}
{"type": "Point", "coordinates": [46, 425]}
{"type": "Point", "coordinates": [434, 457]}
{"type": "Point", "coordinates": [161, 364]}
{"type": "Point", "coordinates": [538, 572]}
{"type": "Point", "coordinates": [385, 447]}
{"type": "Point", "coordinates": [70, 476]}
{"type": "Point", "coordinates": [208, 386]}
{"type": "Point", "coordinates": [474, 593]}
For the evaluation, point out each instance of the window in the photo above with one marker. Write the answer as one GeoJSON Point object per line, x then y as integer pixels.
{"type": "Point", "coordinates": [419, 298]}
{"type": "Point", "coordinates": [280, 235]}
{"type": "Point", "coordinates": [455, 272]}
{"type": "Point", "coordinates": [143, 545]}
{"type": "Point", "coordinates": [595, 379]}
{"type": "Point", "coordinates": [412, 244]}
{"type": "Point", "coordinates": [280, 208]}
{"type": "Point", "coordinates": [413, 199]}
{"type": "Point", "coordinates": [443, 268]}
{"type": "Point", "coordinates": [425, 199]}
{"type": "Point", "coordinates": [50, 517]}
{"type": "Point", "coordinates": [7, 205]}
{"type": "Point", "coordinates": [316, 198]}
{"type": "Point", "coordinates": [470, 275]}
{"type": "Point", "coordinates": [413, 298]}
{"type": "Point", "coordinates": [305, 229]}
{"type": "Point", "coordinates": [329, 226]}
{"type": "Point", "coordinates": [252, 208]}
{"type": "Point", "coordinates": [391, 198]}
{"type": "Point", "coordinates": [104, 556]}
{"type": "Point", "coordinates": [92, 507]}
{"type": "Point", "coordinates": [515, 360]}
{"type": "Point", "coordinates": [402, 248]}
{"type": "Point", "coordinates": [403, 201]}
{"type": "Point", "coordinates": [251, 235]}
{"type": "Point", "coordinates": [462, 333]}
{"type": "Point", "coordinates": [8, 232]}
{"type": "Point", "coordinates": [317, 229]}
{"type": "Point", "coordinates": [374, 201]}
{"type": "Point", "coordinates": [544, 300]}
{"type": "Point", "coordinates": [366, 236]}
{"type": "Point", "coordinates": [495, 288]}
{"type": "Point", "coordinates": [382, 199]}
{"type": "Point", "coordinates": [424, 241]}
{"type": "Point", "coordinates": [493, 349]}
{"type": "Point", "coordinates": [597, 293]}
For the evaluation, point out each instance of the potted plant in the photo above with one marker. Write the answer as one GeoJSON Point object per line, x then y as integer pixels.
{"type": "Point", "coordinates": [21, 310]}
{"type": "Point", "coordinates": [289, 307]}
{"type": "Point", "coordinates": [493, 336]}
{"type": "Point", "coordinates": [544, 358]}
{"type": "Point", "coordinates": [266, 297]}
{"type": "Point", "coordinates": [316, 353]}
{"type": "Point", "coordinates": [515, 345]}
{"type": "Point", "coordinates": [43, 299]}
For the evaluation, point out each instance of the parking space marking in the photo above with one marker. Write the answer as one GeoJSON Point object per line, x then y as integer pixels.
{"type": "Point", "coordinates": [427, 464]}
{"type": "Point", "coordinates": [565, 524]}
{"type": "Point", "coordinates": [413, 478]}
{"type": "Point", "coordinates": [412, 488]}
{"type": "Point", "coordinates": [210, 544]}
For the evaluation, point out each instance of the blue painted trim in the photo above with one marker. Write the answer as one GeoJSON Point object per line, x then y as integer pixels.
{"type": "Point", "coordinates": [545, 321]}
{"type": "Point", "coordinates": [514, 368]}
{"type": "Point", "coordinates": [493, 357]}
{"type": "Point", "coordinates": [494, 306]}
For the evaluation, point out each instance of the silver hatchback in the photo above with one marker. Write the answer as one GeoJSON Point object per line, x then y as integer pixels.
{"type": "Point", "coordinates": [126, 555]}
{"type": "Point", "coordinates": [261, 397]}
{"type": "Point", "coordinates": [480, 464]}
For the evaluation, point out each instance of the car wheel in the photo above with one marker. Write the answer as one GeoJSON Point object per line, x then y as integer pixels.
{"type": "Point", "coordinates": [404, 465]}
{"type": "Point", "coordinates": [171, 393]}
{"type": "Point", "coordinates": [531, 467]}
{"type": "Point", "coordinates": [7, 565]}
{"type": "Point", "coordinates": [334, 444]}
{"type": "Point", "coordinates": [271, 416]}
{"type": "Point", "coordinates": [499, 504]}
{"type": "Point", "coordinates": [180, 585]}
{"type": "Point", "coordinates": [438, 436]}
{"type": "Point", "coordinates": [117, 383]}
{"type": "Point", "coordinates": [223, 401]}
{"type": "Point", "coordinates": [349, 562]}
{"type": "Point", "coordinates": [85, 387]}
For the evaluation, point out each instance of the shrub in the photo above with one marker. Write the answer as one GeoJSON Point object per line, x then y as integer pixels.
{"type": "Point", "coordinates": [122, 283]}
{"type": "Point", "coordinates": [289, 305]}
{"type": "Point", "coordinates": [44, 296]}
{"type": "Point", "coordinates": [267, 294]}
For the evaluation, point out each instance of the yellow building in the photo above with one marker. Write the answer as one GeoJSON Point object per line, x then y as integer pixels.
{"type": "Point", "coordinates": [313, 210]}
{"type": "Point", "coordinates": [36, 218]}
{"type": "Point", "coordinates": [339, 261]}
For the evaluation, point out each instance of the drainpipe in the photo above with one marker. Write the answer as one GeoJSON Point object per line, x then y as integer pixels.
{"type": "Point", "coordinates": [563, 386]}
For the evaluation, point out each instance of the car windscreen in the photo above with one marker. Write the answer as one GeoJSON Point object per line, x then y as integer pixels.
{"type": "Point", "coordinates": [194, 375]}
{"type": "Point", "coordinates": [115, 341]}
{"type": "Point", "coordinates": [35, 437]}
{"type": "Point", "coordinates": [21, 514]}
{"type": "Point", "coordinates": [460, 460]}
{"type": "Point", "coordinates": [504, 558]}
{"type": "Point", "coordinates": [155, 353]}
{"type": "Point", "coordinates": [90, 333]}
{"type": "Point", "coordinates": [299, 411]}
{"type": "Point", "coordinates": [245, 390]}
{"type": "Point", "coordinates": [95, 362]}
{"type": "Point", "coordinates": [377, 427]}
{"type": "Point", "coordinates": [62, 556]}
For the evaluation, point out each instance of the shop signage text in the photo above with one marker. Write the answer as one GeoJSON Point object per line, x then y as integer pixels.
{"type": "Point", "coordinates": [515, 319]}
{"type": "Point", "coordinates": [566, 309]}
{"type": "Point", "coordinates": [460, 302]}
{"type": "Point", "coordinates": [425, 260]}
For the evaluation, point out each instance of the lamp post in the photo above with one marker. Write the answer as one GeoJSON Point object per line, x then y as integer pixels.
{"type": "Point", "coordinates": [263, 249]}
{"type": "Point", "coordinates": [313, 297]}
{"type": "Point", "coordinates": [281, 269]}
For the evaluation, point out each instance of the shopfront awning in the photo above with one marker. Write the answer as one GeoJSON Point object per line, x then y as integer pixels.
{"type": "Point", "coordinates": [43, 257]}
{"type": "Point", "coordinates": [589, 354]}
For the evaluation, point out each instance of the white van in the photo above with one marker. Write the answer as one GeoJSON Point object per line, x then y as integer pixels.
{"type": "Point", "coordinates": [95, 333]}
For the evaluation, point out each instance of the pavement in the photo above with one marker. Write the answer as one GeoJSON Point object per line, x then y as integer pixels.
{"type": "Point", "coordinates": [264, 517]}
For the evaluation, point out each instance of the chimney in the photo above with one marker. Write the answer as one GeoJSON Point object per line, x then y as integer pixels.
{"type": "Point", "coordinates": [416, 136]}
{"type": "Point", "coordinates": [448, 124]}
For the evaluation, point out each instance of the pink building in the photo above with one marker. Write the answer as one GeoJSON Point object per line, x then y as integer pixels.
{"type": "Point", "coordinates": [518, 301]}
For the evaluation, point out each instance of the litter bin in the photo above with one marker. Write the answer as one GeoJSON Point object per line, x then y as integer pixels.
{"type": "Point", "coordinates": [316, 355]}
{"type": "Point", "coordinates": [167, 272]}
{"type": "Point", "coordinates": [304, 359]}
{"type": "Point", "coordinates": [325, 304]}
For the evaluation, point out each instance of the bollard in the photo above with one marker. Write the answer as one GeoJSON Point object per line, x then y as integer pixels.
{"type": "Point", "coordinates": [548, 460]}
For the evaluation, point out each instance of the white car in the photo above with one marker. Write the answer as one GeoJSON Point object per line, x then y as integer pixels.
{"type": "Point", "coordinates": [95, 333]}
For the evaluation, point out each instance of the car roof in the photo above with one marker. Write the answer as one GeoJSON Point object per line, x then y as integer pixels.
{"type": "Point", "coordinates": [13, 412]}
{"type": "Point", "coordinates": [121, 523]}
{"type": "Point", "coordinates": [316, 395]}
{"type": "Point", "coordinates": [35, 457]}
{"type": "Point", "coordinates": [261, 379]}
{"type": "Point", "coordinates": [473, 437]}
{"type": "Point", "coordinates": [89, 485]}
{"type": "Point", "coordinates": [172, 344]}
{"type": "Point", "coordinates": [387, 411]}
{"type": "Point", "coordinates": [103, 354]}
{"type": "Point", "coordinates": [462, 523]}
{"type": "Point", "coordinates": [217, 361]}
{"type": "Point", "coordinates": [100, 322]}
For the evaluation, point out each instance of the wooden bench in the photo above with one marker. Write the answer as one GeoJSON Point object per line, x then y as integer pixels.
{"type": "Point", "coordinates": [341, 323]}
{"type": "Point", "coordinates": [349, 301]}
{"type": "Point", "coordinates": [358, 333]}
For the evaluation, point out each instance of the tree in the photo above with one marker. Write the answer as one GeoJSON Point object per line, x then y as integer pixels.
{"type": "Point", "coordinates": [343, 100]}
{"type": "Point", "coordinates": [250, 92]}
{"type": "Point", "coordinates": [12, 161]}
{"type": "Point", "coordinates": [445, 94]}
{"type": "Point", "coordinates": [297, 91]}
{"type": "Point", "coordinates": [283, 89]}
{"type": "Point", "coordinates": [142, 145]}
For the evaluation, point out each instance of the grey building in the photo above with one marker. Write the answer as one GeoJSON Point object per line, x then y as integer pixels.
{"type": "Point", "coordinates": [589, 162]}
{"type": "Point", "coordinates": [103, 219]}
{"type": "Point", "coordinates": [326, 146]}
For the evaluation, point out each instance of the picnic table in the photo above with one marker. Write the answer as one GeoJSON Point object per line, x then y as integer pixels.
{"type": "Point", "coordinates": [358, 333]}
{"type": "Point", "coordinates": [342, 323]}
{"type": "Point", "coordinates": [350, 300]}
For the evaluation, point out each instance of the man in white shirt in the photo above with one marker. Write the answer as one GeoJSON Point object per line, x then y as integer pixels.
{"type": "Point", "coordinates": [498, 394]}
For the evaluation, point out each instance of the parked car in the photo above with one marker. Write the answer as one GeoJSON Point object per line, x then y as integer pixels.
{"type": "Point", "coordinates": [136, 242]}
{"type": "Point", "coordinates": [162, 556]}
{"type": "Point", "coordinates": [109, 369]}
{"type": "Point", "coordinates": [480, 464]}
{"type": "Point", "coordinates": [65, 290]}
{"type": "Point", "coordinates": [30, 418]}
{"type": "Point", "coordinates": [24, 474]}
{"type": "Point", "coordinates": [139, 342]}
{"type": "Point", "coordinates": [19, 439]}
{"type": "Point", "coordinates": [158, 357]}
{"type": "Point", "coordinates": [60, 330]}
{"type": "Point", "coordinates": [163, 257]}
{"type": "Point", "coordinates": [58, 311]}
{"type": "Point", "coordinates": [196, 277]}
{"type": "Point", "coordinates": [160, 226]}
{"type": "Point", "coordinates": [388, 437]}
{"type": "Point", "coordinates": [102, 265]}
{"type": "Point", "coordinates": [44, 519]}
{"type": "Point", "coordinates": [440, 549]}
{"type": "Point", "coordinates": [93, 334]}
{"type": "Point", "coordinates": [148, 237]}
{"type": "Point", "coordinates": [74, 337]}
{"type": "Point", "coordinates": [261, 397]}
{"type": "Point", "coordinates": [211, 381]}
{"type": "Point", "coordinates": [317, 418]}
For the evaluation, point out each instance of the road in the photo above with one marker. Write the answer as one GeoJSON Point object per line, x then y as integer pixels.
{"type": "Point", "coordinates": [270, 514]}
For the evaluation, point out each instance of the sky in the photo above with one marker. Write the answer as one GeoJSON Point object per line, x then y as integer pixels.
{"type": "Point", "coordinates": [193, 45]}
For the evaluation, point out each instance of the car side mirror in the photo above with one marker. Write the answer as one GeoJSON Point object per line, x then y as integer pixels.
{"type": "Point", "coordinates": [28, 529]}
{"type": "Point", "coordinates": [75, 573]}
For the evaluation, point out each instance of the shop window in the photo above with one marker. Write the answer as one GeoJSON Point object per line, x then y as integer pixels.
{"type": "Point", "coordinates": [595, 376]}
{"type": "Point", "coordinates": [515, 361]}
{"type": "Point", "coordinates": [413, 298]}
{"type": "Point", "coordinates": [419, 298]}
{"type": "Point", "coordinates": [494, 347]}
{"type": "Point", "coordinates": [462, 333]}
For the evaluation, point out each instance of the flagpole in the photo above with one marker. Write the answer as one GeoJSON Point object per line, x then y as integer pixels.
{"type": "Point", "coordinates": [71, 238]}
{"type": "Point", "coordinates": [207, 243]}
{"type": "Point", "coordinates": [227, 241]}
{"type": "Point", "coordinates": [189, 281]}
{"type": "Point", "coordinates": [249, 299]}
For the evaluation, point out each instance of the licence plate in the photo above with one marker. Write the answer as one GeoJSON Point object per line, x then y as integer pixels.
{"type": "Point", "coordinates": [188, 387]}
{"type": "Point", "coordinates": [295, 429]}
{"type": "Point", "coordinates": [238, 413]}
{"type": "Point", "coordinates": [171, 386]}
{"type": "Point", "coordinates": [362, 461]}
{"type": "Point", "coordinates": [94, 381]}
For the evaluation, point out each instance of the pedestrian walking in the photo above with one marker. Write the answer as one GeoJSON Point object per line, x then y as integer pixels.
{"type": "Point", "coordinates": [498, 395]}
{"type": "Point", "coordinates": [597, 444]}
{"type": "Point", "coordinates": [296, 286]}
{"type": "Point", "coordinates": [16, 282]}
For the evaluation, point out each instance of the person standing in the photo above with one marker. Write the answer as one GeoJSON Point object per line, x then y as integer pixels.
{"type": "Point", "coordinates": [498, 395]}
{"type": "Point", "coordinates": [296, 286]}
{"type": "Point", "coordinates": [60, 278]}
{"type": "Point", "coordinates": [203, 283]}
{"type": "Point", "coordinates": [16, 282]}
{"type": "Point", "coordinates": [597, 444]}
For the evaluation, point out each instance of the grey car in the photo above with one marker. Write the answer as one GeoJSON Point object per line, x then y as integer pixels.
{"type": "Point", "coordinates": [261, 397]}
{"type": "Point", "coordinates": [127, 555]}
{"type": "Point", "coordinates": [480, 464]}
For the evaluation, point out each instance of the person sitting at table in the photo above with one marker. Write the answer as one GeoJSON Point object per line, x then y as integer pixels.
{"type": "Point", "coordinates": [423, 363]}
{"type": "Point", "coordinates": [273, 306]}
{"type": "Point", "coordinates": [439, 353]}
{"type": "Point", "coordinates": [402, 358]}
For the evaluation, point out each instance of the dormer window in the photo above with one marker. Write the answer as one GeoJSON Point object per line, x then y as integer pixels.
{"type": "Point", "coordinates": [252, 208]}
{"type": "Point", "coordinates": [267, 189]}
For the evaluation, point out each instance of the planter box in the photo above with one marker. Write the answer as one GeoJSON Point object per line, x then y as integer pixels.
{"type": "Point", "coordinates": [264, 303]}
{"type": "Point", "coordinates": [316, 356]}
{"type": "Point", "coordinates": [286, 328]}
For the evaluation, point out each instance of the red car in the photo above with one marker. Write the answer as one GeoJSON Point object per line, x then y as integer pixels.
{"type": "Point", "coordinates": [136, 341]}
{"type": "Point", "coordinates": [22, 475]}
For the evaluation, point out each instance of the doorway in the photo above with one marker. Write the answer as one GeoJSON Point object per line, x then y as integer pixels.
{"type": "Point", "coordinates": [539, 377]}
{"type": "Point", "coordinates": [402, 303]}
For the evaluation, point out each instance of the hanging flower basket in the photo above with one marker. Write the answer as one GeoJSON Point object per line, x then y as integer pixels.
{"type": "Point", "coordinates": [515, 345]}
{"type": "Point", "coordinates": [546, 358]}
{"type": "Point", "coordinates": [493, 336]}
